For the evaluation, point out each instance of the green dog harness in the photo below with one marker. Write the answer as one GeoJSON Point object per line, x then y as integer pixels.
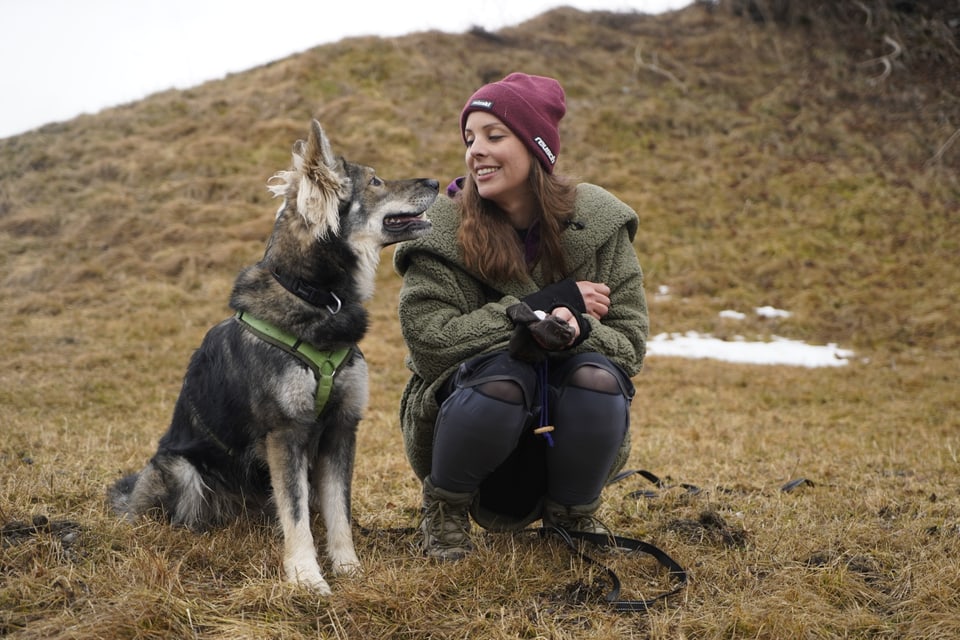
{"type": "Point", "coordinates": [324, 364]}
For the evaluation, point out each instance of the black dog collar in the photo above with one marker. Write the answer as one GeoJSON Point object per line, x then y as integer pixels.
{"type": "Point", "coordinates": [309, 293]}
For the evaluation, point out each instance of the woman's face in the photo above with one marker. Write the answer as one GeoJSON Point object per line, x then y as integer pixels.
{"type": "Point", "coordinates": [498, 161]}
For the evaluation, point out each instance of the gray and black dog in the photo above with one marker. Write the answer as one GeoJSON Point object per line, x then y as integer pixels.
{"type": "Point", "coordinates": [267, 415]}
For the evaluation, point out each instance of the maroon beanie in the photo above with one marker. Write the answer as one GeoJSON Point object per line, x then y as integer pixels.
{"type": "Point", "coordinates": [531, 106]}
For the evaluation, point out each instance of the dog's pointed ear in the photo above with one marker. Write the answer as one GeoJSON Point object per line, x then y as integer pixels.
{"type": "Point", "coordinates": [320, 166]}
{"type": "Point", "coordinates": [320, 184]}
{"type": "Point", "coordinates": [318, 147]}
{"type": "Point", "coordinates": [299, 148]}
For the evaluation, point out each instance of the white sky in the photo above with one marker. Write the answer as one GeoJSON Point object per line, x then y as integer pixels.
{"type": "Point", "coordinates": [61, 58]}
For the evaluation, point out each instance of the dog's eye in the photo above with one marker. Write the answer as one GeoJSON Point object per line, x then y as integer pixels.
{"type": "Point", "coordinates": [376, 182]}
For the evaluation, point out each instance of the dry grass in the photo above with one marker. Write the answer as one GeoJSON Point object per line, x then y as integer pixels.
{"type": "Point", "coordinates": [768, 167]}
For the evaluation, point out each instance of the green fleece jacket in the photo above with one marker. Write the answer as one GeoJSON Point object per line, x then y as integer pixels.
{"type": "Point", "coordinates": [448, 315]}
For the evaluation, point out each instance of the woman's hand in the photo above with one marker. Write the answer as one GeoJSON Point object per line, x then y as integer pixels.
{"type": "Point", "coordinates": [565, 315]}
{"type": "Point", "coordinates": [596, 298]}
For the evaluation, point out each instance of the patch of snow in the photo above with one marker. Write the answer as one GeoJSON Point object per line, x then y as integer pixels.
{"type": "Point", "coordinates": [778, 351]}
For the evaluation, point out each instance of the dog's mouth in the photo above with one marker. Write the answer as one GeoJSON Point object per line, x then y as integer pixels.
{"type": "Point", "coordinates": [406, 222]}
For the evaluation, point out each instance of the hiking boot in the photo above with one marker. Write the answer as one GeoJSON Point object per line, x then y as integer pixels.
{"type": "Point", "coordinates": [446, 523]}
{"type": "Point", "coordinates": [575, 518]}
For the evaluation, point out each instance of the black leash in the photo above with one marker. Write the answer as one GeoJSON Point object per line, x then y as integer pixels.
{"type": "Point", "coordinates": [611, 541]}
{"type": "Point", "coordinates": [612, 597]}
{"type": "Point", "coordinates": [677, 573]}
{"type": "Point", "coordinates": [692, 489]}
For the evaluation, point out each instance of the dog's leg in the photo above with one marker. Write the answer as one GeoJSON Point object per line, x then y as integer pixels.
{"type": "Point", "coordinates": [288, 476]}
{"type": "Point", "coordinates": [333, 468]}
{"type": "Point", "coordinates": [332, 482]}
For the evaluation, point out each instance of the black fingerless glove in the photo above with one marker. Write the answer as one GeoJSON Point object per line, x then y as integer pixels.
{"type": "Point", "coordinates": [559, 294]}
{"type": "Point", "coordinates": [567, 294]}
{"type": "Point", "coordinates": [534, 336]}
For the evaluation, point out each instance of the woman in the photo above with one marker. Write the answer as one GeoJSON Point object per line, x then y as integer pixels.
{"type": "Point", "coordinates": [501, 420]}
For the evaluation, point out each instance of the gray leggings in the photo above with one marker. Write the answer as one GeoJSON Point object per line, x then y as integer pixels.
{"type": "Point", "coordinates": [493, 403]}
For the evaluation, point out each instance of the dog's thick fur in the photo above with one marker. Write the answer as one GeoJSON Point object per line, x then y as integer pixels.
{"type": "Point", "coordinates": [245, 436]}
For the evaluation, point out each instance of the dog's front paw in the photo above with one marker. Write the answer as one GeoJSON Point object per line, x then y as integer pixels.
{"type": "Point", "coordinates": [314, 583]}
{"type": "Point", "coordinates": [347, 565]}
{"type": "Point", "coordinates": [310, 578]}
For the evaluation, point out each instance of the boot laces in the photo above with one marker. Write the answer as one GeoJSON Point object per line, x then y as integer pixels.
{"type": "Point", "coordinates": [446, 530]}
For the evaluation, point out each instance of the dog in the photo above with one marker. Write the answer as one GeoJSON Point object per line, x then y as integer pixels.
{"type": "Point", "coordinates": [267, 414]}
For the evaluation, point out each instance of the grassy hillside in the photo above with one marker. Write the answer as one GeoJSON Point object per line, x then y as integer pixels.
{"type": "Point", "coordinates": [776, 163]}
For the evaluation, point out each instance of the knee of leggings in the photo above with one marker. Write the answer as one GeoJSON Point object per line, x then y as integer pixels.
{"type": "Point", "coordinates": [505, 390]}
{"type": "Point", "coordinates": [595, 379]}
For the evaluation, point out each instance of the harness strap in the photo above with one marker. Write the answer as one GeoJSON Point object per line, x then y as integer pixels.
{"type": "Point", "coordinates": [324, 364]}
{"type": "Point", "coordinates": [677, 572]}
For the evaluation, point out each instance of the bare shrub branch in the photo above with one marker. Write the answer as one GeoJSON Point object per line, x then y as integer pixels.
{"type": "Point", "coordinates": [867, 11]}
{"type": "Point", "coordinates": [943, 149]}
{"type": "Point", "coordinates": [654, 67]}
{"type": "Point", "coordinates": [886, 60]}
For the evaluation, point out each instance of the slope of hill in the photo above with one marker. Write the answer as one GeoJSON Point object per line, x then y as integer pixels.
{"type": "Point", "coordinates": [760, 160]}
{"type": "Point", "coordinates": [794, 164]}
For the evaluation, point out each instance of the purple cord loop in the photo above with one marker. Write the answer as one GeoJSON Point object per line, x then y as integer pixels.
{"type": "Point", "coordinates": [545, 427]}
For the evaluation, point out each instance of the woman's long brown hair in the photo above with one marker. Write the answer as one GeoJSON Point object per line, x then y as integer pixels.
{"type": "Point", "coordinates": [491, 246]}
